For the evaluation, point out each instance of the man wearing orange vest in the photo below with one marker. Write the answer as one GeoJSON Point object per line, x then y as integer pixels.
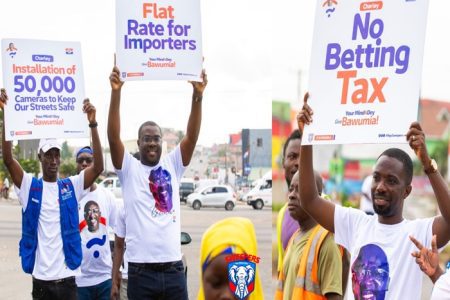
{"type": "Point", "coordinates": [312, 267]}
{"type": "Point", "coordinates": [286, 225]}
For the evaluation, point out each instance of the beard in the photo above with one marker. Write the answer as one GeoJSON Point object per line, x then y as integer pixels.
{"type": "Point", "coordinates": [385, 211]}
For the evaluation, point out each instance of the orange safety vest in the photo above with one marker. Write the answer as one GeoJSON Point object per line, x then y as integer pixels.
{"type": "Point", "coordinates": [307, 282]}
{"type": "Point", "coordinates": [280, 218]}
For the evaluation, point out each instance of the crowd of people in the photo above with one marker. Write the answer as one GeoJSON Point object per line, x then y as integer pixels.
{"type": "Point", "coordinates": [325, 250]}
{"type": "Point", "coordinates": [377, 253]}
{"type": "Point", "coordinates": [62, 219]}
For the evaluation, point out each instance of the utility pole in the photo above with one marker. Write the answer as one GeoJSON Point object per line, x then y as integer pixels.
{"type": "Point", "coordinates": [226, 164]}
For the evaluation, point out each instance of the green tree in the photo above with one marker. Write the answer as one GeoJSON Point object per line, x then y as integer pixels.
{"type": "Point", "coordinates": [3, 171]}
{"type": "Point", "coordinates": [16, 151]}
{"type": "Point", "coordinates": [439, 151]}
{"type": "Point", "coordinates": [65, 151]}
{"type": "Point", "coordinates": [440, 154]}
{"type": "Point", "coordinates": [67, 168]}
{"type": "Point", "coordinates": [30, 166]}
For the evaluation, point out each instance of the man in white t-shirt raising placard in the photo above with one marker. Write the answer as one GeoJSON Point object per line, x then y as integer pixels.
{"type": "Point", "coordinates": [97, 212]}
{"type": "Point", "coordinates": [50, 247]}
{"type": "Point", "coordinates": [381, 263]}
{"type": "Point", "coordinates": [150, 189]}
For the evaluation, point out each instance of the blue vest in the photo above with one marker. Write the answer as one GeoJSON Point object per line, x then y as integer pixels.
{"type": "Point", "coordinates": [68, 208]}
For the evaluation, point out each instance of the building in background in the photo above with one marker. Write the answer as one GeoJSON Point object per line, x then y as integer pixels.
{"type": "Point", "coordinates": [257, 152]}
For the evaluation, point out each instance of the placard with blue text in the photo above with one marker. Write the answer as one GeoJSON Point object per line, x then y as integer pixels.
{"type": "Point", "coordinates": [159, 39]}
{"type": "Point", "coordinates": [45, 85]}
{"type": "Point", "coordinates": [365, 73]}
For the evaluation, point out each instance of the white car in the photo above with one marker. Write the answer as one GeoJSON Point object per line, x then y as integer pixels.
{"type": "Point", "coordinates": [113, 185]}
{"type": "Point", "coordinates": [261, 194]}
{"type": "Point", "coordinates": [212, 196]}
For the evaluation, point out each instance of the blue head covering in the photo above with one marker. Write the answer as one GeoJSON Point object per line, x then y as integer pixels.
{"type": "Point", "coordinates": [86, 149]}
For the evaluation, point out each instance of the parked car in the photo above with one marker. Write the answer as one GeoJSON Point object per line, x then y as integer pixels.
{"type": "Point", "coordinates": [261, 194]}
{"type": "Point", "coordinates": [187, 187]}
{"type": "Point", "coordinates": [112, 184]}
{"type": "Point", "coordinates": [212, 196]}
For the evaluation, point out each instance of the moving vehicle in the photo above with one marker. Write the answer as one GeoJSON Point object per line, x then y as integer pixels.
{"type": "Point", "coordinates": [261, 194]}
{"type": "Point", "coordinates": [212, 196]}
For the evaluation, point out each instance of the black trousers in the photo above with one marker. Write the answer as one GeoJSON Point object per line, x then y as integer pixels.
{"type": "Point", "coordinates": [65, 288]}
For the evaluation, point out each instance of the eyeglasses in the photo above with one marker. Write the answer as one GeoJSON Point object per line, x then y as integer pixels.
{"type": "Point", "coordinates": [93, 211]}
{"type": "Point", "coordinates": [88, 160]}
{"type": "Point", "coordinates": [150, 138]}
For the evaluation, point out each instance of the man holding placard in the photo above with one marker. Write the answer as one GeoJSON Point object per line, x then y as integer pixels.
{"type": "Point", "coordinates": [364, 76]}
{"type": "Point", "coordinates": [159, 39]}
{"type": "Point", "coordinates": [44, 80]}
{"type": "Point", "coordinates": [50, 247]}
{"type": "Point", "coordinates": [381, 265]}
{"type": "Point", "coordinates": [151, 198]}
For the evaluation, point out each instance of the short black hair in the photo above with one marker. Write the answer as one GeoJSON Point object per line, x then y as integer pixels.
{"type": "Point", "coordinates": [148, 123]}
{"type": "Point", "coordinates": [296, 134]}
{"type": "Point", "coordinates": [89, 203]}
{"type": "Point", "coordinates": [402, 157]}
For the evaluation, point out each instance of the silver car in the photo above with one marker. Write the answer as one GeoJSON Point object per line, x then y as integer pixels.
{"type": "Point", "coordinates": [212, 196]}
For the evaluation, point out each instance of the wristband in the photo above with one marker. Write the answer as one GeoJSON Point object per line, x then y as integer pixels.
{"type": "Point", "coordinates": [93, 125]}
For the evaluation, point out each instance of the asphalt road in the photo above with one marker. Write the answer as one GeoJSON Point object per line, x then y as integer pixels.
{"type": "Point", "coordinates": [15, 284]}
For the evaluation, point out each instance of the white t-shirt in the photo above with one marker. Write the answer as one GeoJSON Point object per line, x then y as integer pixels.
{"type": "Point", "coordinates": [381, 254]}
{"type": "Point", "coordinates": [153, 226]}
{"type": "Point", "coordinates": [100, 206]}
{"type": "Point", "coordinates": [366, 204]}
{"type": "Point", "coordinates": [50, 264]}
{"type": "Point", "coordinates": [441, 290]}
{"type": "Point", "coordinates": [121, 230]}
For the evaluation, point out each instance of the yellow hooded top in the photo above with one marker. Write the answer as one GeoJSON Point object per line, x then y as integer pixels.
{"type": "Point", "coordinates": [236, 232]}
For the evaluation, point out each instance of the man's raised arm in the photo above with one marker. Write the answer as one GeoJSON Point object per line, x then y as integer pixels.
{"type": "Point", "coordinates": [115, 144]}
{"type": "Point", "coordinates": [195, 119]}
{"type": "Point", "coordinates": [11, 164]}
{"type": "Point", "coordinates": [320, 209]}
{"type": "Point", "coordinates": [441, 224]}
{"type": "Point", "coordinates": [91, 173]}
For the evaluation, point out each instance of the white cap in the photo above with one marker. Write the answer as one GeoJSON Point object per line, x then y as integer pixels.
{"type": "Point", "coordinates": [47, 144]}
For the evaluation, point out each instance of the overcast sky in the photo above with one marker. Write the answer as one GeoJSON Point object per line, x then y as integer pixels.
{"type": "Point", "coordinates": [236, 47]}
{"type": "Point", "coordinates": [292, 36]}
{"type": "Point", "coordinates": [254, 51]}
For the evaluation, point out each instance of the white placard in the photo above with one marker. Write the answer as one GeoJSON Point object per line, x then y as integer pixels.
{"type": "Point", "coordinates": [159, 39]}
{"type": "Point", "coordinates": [366, 65]}
{"type": "Point", "coordinates": [45, 85]}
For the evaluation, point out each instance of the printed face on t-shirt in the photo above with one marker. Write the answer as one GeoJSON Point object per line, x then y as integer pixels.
{"type": "Point", "coordinates": [370, 273]}
{"type": "Point", "coordinates": [92, 215]}
{"type": "Point", "coordinates": [161, 187]}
